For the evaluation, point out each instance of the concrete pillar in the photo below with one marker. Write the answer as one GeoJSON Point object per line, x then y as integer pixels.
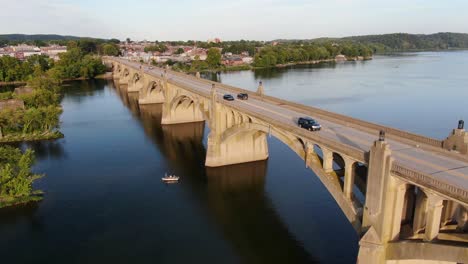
{"type": "Point", "coordinates": [399, 205]}
{"type": "Point", "coordinates": [433, 214]}
{"type": "Point", "coordinates": [308, 152]}
{"type": "Point", "coordinates": [462, 218]}
{"type": "Point", "coordinates": [457, 140]}
{"type": "Point", "coordinates": [371, 249]}
{"type": "Point", "coordinates": [378, 177]}
{"type": "Point", "coordinates": [448, 212]}
{"type": "Point", "coordinates": [419, 218]}
{"type": "Point", "coordinates": [349, 178]}
{"type": "Point", "coordinates": [327, 160]}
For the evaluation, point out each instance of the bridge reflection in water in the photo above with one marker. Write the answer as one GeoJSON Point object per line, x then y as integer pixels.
{"type": "Point", "coordinates": [233, 196]}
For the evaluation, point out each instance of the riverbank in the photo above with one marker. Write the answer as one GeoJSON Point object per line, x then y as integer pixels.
{"type": "Point", "coordinates": [106, 76]}
{"type": "Point", "coordinates": [278, 66]}
{"type": "Point", "coordinates": [31, 137]}
{"type": "Point", "coordinates": [7, 201]}
{"type": "Point", "coordinates": [12, 83]}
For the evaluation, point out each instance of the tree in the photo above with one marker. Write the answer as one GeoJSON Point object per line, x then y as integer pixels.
{"type": "Point", "coordinates": [16, 177]}
{"type": "Point", "coordinates": [88, 46]}
{"type": "Point", "coordinates": [179, 51]}
{"type": "Point", "coordinates": [110, 49]}
{"type": "Point", "coordinates": [114, 41]}
{"type": "Point", "coordinates": [213, 58]}
{"type": "Point", "coordinates": [32, 120]}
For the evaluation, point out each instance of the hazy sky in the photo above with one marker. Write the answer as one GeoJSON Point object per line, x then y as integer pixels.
{"type": "Point", "coordinates": [230, 20]}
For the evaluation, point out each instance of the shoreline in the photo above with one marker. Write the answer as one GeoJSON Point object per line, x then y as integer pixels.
{"type": "Point", "coordinates": [7, 201]}
{"type": "Point", "coordinates": [278, 66]}
{"type": "Point", "coordinates": [104, 76]}
{"type": "Point", "coordinates": [31, 137]}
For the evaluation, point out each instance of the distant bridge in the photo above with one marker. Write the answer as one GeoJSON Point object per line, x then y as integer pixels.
{"type": "Point", "coordinates": [415, 188]}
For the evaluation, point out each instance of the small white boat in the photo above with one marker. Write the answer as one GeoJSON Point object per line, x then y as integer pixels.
{"type": "Point", "coordinates": [170, 178]}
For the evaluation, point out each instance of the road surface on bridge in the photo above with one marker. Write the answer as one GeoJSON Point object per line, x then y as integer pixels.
{"type": "Point", "coordinates": [446, 169]}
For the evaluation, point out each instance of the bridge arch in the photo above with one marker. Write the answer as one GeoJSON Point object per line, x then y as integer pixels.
{"type": "Point", "coordinates": [125, 73]}
{"type": "Point", "coordinates": [296, 144]}
{"type": "Point", "coordinates": [152, 93]}
{"type": "Point", "coordinates": [183, 108]}
{"type": "Point", "coordinates": [136, 82]}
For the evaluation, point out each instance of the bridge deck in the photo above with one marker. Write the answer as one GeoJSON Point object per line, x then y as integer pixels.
{"type": "Point", "coordinates": [445, 168]}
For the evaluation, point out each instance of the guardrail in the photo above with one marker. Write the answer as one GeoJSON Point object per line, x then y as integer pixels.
{"type": "Point", "coordinates": [428, 181]}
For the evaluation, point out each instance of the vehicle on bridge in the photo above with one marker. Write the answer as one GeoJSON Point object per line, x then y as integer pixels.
{"type": "Point", "coordinates": [228, 97]}
{"type": "Point", "coordinates": [308, 123]}
{"type": "Point", "coordinates": [243, 96]}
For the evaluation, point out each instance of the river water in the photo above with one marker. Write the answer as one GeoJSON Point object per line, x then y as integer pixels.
{"type": "Point", "coordinates": [105, 202]}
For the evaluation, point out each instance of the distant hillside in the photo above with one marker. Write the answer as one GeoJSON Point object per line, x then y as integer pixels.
{"type": "Point", "coordinates": [43, 37]}
{"type": "Point", "coordinates": [404, 41]}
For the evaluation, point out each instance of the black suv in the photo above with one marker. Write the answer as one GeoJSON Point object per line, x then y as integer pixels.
{"type": "Point", "coordinates": [228, 97]}
{"type": "Point", "coordinates": [308, 123]}
{"type": "Point", "coordinates": [243, 96]}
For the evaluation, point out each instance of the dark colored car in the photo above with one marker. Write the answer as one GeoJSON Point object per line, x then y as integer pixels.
{"type": "Point", "coordinates": [228, 97]}
{"type": "Point", "coordinates": [308, 123]}
{"type": "Point", "coordinates": [243, 96]}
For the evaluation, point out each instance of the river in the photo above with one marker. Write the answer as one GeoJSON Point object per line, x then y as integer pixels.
{"type": "Point", "coordinates": [105, 202]}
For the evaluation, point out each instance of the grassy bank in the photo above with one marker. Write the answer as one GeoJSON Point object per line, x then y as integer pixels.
{"type": "Point", "coordinates": [11, 138]}
{"type": "Point", "coordinates": [6, 201]}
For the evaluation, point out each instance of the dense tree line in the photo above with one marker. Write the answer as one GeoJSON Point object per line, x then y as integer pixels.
{"type": "Point", "coordinates": [76, 63]}
{"type": "Point", "coordinates": [270, 56]}
{"type": "Point", "coordinates": [12, 69]}
{"type": "Point", "coordinates": [158, 47]}
{"type": "Point", "coordinates": [79, 61]}
{"type": "Point", "coordinates": [409, 42]}
{"type": "Point", "coordinates": [41, 113]}
{"type": "Point", "coordinates": [16, 177]}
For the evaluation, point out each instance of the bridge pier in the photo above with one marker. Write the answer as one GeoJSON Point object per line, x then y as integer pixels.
{"type": "Point", "coordinates": [242, 145]}
{"type": "Point", "coordinates": [349, 178]}
{"type": "Point", "coordinates": [327, 156]}
{"type": "Point", "coordinates": [457, 140]}
{"type": "Point", "coordinates": [152, 93]}
{"type": "Point", "coordinates": [433, 216]}
{"type": "Point", "coordinates": [385, 199]}
{"type": "Point", "coordinates": [180, 107]}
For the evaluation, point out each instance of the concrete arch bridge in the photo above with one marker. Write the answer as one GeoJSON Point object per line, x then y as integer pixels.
{"type": "Point", "coordinates": [406, 194]}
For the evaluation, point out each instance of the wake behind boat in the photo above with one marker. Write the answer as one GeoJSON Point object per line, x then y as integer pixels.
{"type": "Point", "coordinates": [170, 178]}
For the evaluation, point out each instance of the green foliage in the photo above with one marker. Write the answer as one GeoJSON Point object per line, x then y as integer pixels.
{"type": "Point", "coordinates": [270, 56]}
{"type": "Point", "coordinates": [179, 51]}
{"type": "Point", "coordinates": [91, 66]}
{"type": "Point", "coordinates": [198, 65]}
{"type": "Point", "coordinates": [31, 120]}
{"type": "Point", "coordinates": [16, 177]}
{"type": "Point", "coordinates": [411, 42]}
{"type": "Point", "coordinates": [213, 58]}
{"type": "Point", "coordinates": [110, 49]}
{"type": "Point", "coordinates": [156, 48]}
{"type": "Point", "coordinates": [42, 110]}
{"type": "Point", "coordinates": [6, 95]}
{"type": "Point", "coordinates": [12, 69]}
{"type": "Point", "coordinates": [74, 64]}
{"type": "Point", "coordinates": [40, 98]}
{"type": "Point", "coordinates": [114, 41]}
